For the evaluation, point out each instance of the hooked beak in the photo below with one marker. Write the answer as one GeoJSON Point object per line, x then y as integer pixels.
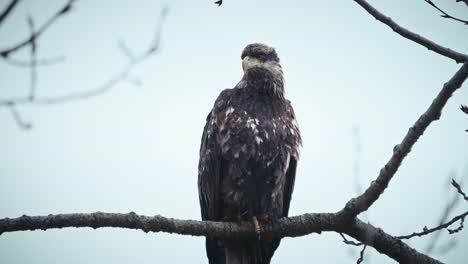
{"type": "Point", "coordinates": [249, 62]}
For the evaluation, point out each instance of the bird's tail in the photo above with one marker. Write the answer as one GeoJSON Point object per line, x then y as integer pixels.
{"type": "Point", "coordinates": [237, 254]}
{"type": "Point", "coordinates": [250, 251]}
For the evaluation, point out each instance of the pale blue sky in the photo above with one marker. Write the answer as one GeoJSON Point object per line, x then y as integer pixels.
{"type": "Point", "coordinates": [136, 148]}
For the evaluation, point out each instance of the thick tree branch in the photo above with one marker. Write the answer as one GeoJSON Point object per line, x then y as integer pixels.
{"type": "Point", "coordinates": [290, 227]}
{"type": "Point", "coordinates": [361, 203]}
{"type": "Point", "coordinates": [457, 56]}
{"type": "Point", "coordinates": [286, 227]}
{"type": "Point", "coordinates": [386, 244]}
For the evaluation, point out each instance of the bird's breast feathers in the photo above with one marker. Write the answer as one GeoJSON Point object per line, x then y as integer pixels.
{"type": "Point", "coordinates": [250, 132]}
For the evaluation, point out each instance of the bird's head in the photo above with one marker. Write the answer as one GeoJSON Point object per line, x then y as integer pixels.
{"type": "Point", "coordinates": [262, 69]}
{"type": "Point", "coordinates": [259, 55]}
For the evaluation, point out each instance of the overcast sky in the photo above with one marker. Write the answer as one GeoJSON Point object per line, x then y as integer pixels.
{"type": "Point", "coordinates": [356, 87]}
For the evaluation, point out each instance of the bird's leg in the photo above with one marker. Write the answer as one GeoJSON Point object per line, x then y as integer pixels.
{"type": "Point", "coordinates": [256, 224]}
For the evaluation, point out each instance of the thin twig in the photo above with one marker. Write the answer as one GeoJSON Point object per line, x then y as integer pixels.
{"type": "Point", "coordinates": [427, 231]}
{"type": "Point", "coordinates": [33, 68]}
{"type": "Point", "coordinates": [458, 229]}
{"type": "Point", "coordinates": [123, 74]}
{"type": "Point", "coordinates": [445, 14]}
{"type": "Point", "coordinates": [8, 10]}
{"type": "Point", "coordinates": [36, 34]}
{"type": "Point", "coordinates": [39, 62]}
{"type": "Point", "coordinates": [459, 190]}
{"type": "Point", "coordinates": [18, 119]}
{"type": "Point", "coordinates": [457, 56]}
{"type": "Point", "coordinates": [464, 108]}
{"type": "Point", "coordinates": [361, 255]}
{"type": "Point", "coordinates": [126, 51]}
{"type": "Point", "coordinates": [350, 242]}
{"type": "Point", "coordinates": [443, 218]}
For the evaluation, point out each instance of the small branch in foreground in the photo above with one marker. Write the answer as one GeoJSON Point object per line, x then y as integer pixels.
{"type": "Point", "coordinates": [445, 14]}
{"type": "Point", "coordinates": [457, 56]}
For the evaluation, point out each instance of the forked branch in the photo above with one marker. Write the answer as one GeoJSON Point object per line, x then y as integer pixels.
{"type": "Point", "coordinates": [457, 56]}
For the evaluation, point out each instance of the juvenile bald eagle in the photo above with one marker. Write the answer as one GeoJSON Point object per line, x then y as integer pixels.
{"type": "Point", "coordinates": [248, 157]}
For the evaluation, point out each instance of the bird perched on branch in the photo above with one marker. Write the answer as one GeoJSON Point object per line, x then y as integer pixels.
{"type": "Point", "coordinates": [248, 158]}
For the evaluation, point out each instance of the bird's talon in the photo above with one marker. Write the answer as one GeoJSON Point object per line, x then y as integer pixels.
{"type": "Point", "coordinates": [256, 225]}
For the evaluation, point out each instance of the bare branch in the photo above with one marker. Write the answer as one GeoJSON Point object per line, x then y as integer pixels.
{"type": "Point", "coordinates": [385, 243]}
{"type": "Point", "coordinates": [350, 242]}
{"type": "Point", "coordinates": [361, 203]}
{"type": "Point", "coordinates": [361, 255]}
{"type": "Point", "coordinates": [219, 2]}
{"type": "Point", "coordinates": [458, 229]}
{"type": "Point", "coordinates": [286, 227]}
{"type": "Point", "coordinates": [123, 74]}
{"type": "Point", "coordinates": [445, 14]}
{"type": "Point", "coordinates": [443, 218]}
{"type": "Point", "coordinates": [460, 218]}
{"type": "Point", "coordinates": [126, 51]}
{"type": "Point", "coordinates": [459, 190]}
{"type": "Point", "coordinates": [464, 108]}
{"type": "Point", "coordinates": [18, 119]}
{"type": "Point", "coordinates": [427, 231]}
{"type": "Point", "coordinates": [457, 56]}
{"type": "Point", "coordinates": [32, 88]}
{"type": "Point", "coordinates": [36, 34]}
{"type": "Point", "coordinates": [291, 227]}
{"type": "Point", "coordinates": [8, 10]}
{"type": "Point", "coordinates": [38, 62]}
